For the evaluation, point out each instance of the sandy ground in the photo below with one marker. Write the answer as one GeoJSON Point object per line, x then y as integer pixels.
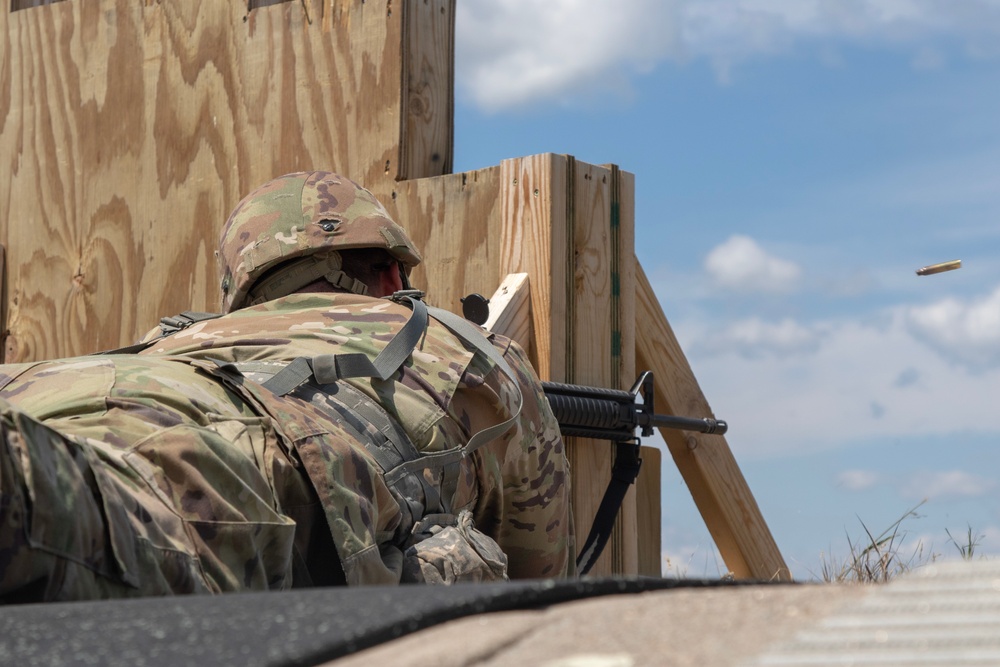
{"type": "Point", "coordinates": [718, 626]}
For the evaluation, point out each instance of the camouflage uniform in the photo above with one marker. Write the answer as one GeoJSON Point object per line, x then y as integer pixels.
{"type": "Point", "coordinates": [177, 471]}
{"type": "Point", "coordinates": [182, 470]}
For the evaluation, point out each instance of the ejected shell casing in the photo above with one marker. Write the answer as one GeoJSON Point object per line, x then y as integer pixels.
{"type": "Point", "coordinates": [940, 268]}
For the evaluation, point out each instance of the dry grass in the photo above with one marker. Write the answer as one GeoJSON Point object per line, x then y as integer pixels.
{"type": "Point", "coordinates": [877, 559]}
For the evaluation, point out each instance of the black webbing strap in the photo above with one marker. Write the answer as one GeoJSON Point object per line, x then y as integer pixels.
{"type": "Point", "coordinates": [171, 325]}
{"type": "Point", "coordinates": [168, 325]}
{"type": "Point", "coordinates": [623, 474]}
{"type": "Point", "coordinates": [328, 368]}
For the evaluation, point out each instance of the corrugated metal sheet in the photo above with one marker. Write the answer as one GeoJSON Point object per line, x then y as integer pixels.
{"type": "Point", "coordinates": [941, 614]}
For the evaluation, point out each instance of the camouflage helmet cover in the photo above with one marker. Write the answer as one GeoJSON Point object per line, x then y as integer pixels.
{"type": "Point", "coordinates": [298, 215]}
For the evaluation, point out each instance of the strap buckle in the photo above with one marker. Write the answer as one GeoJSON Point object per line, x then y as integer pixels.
{"type": "Point", "coordinates": [402, 295]}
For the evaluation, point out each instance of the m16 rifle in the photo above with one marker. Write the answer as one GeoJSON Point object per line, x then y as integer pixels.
{"type": "Point", "coordinates": [611, 414]}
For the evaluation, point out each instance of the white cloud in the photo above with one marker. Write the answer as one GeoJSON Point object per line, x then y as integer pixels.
{"type": "Point", "coordinates": [858, 480]}
{"type": "Point", "coordinates": [965, 331]}
{"type": "Point", "coordinates": [938, 484]}
{"type": "Point", "coordinates": [740, 264]}
{"type": "Point", "coordinates": [512, 52]}
{"type": "Point", "coordinates": [755, 337]}
{"type": "Point", "coordinates": [862, 381]}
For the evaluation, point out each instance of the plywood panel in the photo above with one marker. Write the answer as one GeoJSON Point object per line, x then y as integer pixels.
{"type": "Point", "coordinates": [597, 318]}
{"type": "Point", "coordinates": [429, 53]}
{"type": "Point", "coordinates": [130, 130]}
{"type": "Point", "coordinates": [454, 221]}
{"type": "Point", "coordinates": [706, 462]}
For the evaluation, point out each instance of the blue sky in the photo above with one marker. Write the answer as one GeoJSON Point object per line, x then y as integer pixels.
{"type": "Point", "coordinates": [796, 161]}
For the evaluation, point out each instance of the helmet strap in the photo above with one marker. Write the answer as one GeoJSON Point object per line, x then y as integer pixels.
{"type": "Point", "coordinates": [288, 278]}
{"type": "Point", "coordinates": [403, 278]}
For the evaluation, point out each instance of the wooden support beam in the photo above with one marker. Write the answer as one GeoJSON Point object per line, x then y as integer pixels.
{"type": "Point", "coordinates": [510, 310]}
{"type": "Point", "coordinates": [705, 461]}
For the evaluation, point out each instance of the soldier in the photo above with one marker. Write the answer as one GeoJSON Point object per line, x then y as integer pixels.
{"type": "Point", "coordinates": [316, 434]}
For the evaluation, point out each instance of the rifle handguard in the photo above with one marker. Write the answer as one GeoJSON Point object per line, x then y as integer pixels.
{"type": "Point", "coordinates": [612, 414]}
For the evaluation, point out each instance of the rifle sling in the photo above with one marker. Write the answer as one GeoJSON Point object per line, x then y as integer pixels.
{"type": "Point", "coordinates": [623, 475]}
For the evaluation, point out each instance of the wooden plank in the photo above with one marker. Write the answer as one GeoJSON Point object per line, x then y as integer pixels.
{"type": "Point", "coordinates": [510, 310]}
{"type": "Point", "coordinates": [648, 510]}
{"type": "Point", "coordinates": [623, 371]}
{"type": "Point", "coordinates": [595, 353]}
{"type": "Point", "coordinates": [427, 144]}
{"type": "Point", "coordinates": [532, 223]}
{"type": "Point", "coordinates": [706, 462]}
{"type": "Point", "coordinates": [130, 130]}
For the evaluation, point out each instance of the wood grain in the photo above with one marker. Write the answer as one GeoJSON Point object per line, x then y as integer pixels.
{"type": "Point", "coordinates": [705, 462]}
{"type": "Point", "coordinates": [597, 359]}
{"type": "Point", "coordinates": [427, 143]}
{"type": "Point", "coordinates": [533, 209]}
{"type": "Point", "coordinates": [130, 131]}
{"type": "Point", "coordinates": [454, 220]}
{"type": "Point", "coordinates": [648, 511]}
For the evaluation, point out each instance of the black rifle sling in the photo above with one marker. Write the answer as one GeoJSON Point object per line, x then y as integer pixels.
{"type": "Point", "coordinates": [623, 474]}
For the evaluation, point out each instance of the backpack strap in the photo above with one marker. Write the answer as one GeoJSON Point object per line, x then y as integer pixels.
{"type": "Point", "coordinates": [330, 368]}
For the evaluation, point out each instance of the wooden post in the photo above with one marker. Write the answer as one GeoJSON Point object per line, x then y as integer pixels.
{"type": "Point", "coordinates": [649, 512]}
{"type": "Point", "coordinates": [705, 461]}
{"type": "Point", "coordinates": [562, 224]}
{"type": "Point", "coordinates": [510, 315]}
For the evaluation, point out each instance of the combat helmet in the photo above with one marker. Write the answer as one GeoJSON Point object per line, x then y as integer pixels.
{"type": "Point", "coordinates": [287, 234]}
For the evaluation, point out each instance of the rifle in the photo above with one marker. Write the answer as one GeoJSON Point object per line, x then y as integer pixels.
{"type": "Point", "coordinates": [612, 414]}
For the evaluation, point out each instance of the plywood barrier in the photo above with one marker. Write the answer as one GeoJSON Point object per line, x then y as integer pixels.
{"type": "Point", "coordinates": [566, 225]}
{"type": "Point", "coordinates": [129, 130]}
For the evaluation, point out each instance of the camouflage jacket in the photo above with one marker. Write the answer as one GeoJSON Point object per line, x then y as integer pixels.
{"type": "Point", "coordinates": [301, 461]}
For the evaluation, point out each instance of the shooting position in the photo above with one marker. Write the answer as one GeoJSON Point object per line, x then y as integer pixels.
{"type": "Point", "coordinates": [329, 428]}
{"type": "Point", "coordinates": [316, 434]}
